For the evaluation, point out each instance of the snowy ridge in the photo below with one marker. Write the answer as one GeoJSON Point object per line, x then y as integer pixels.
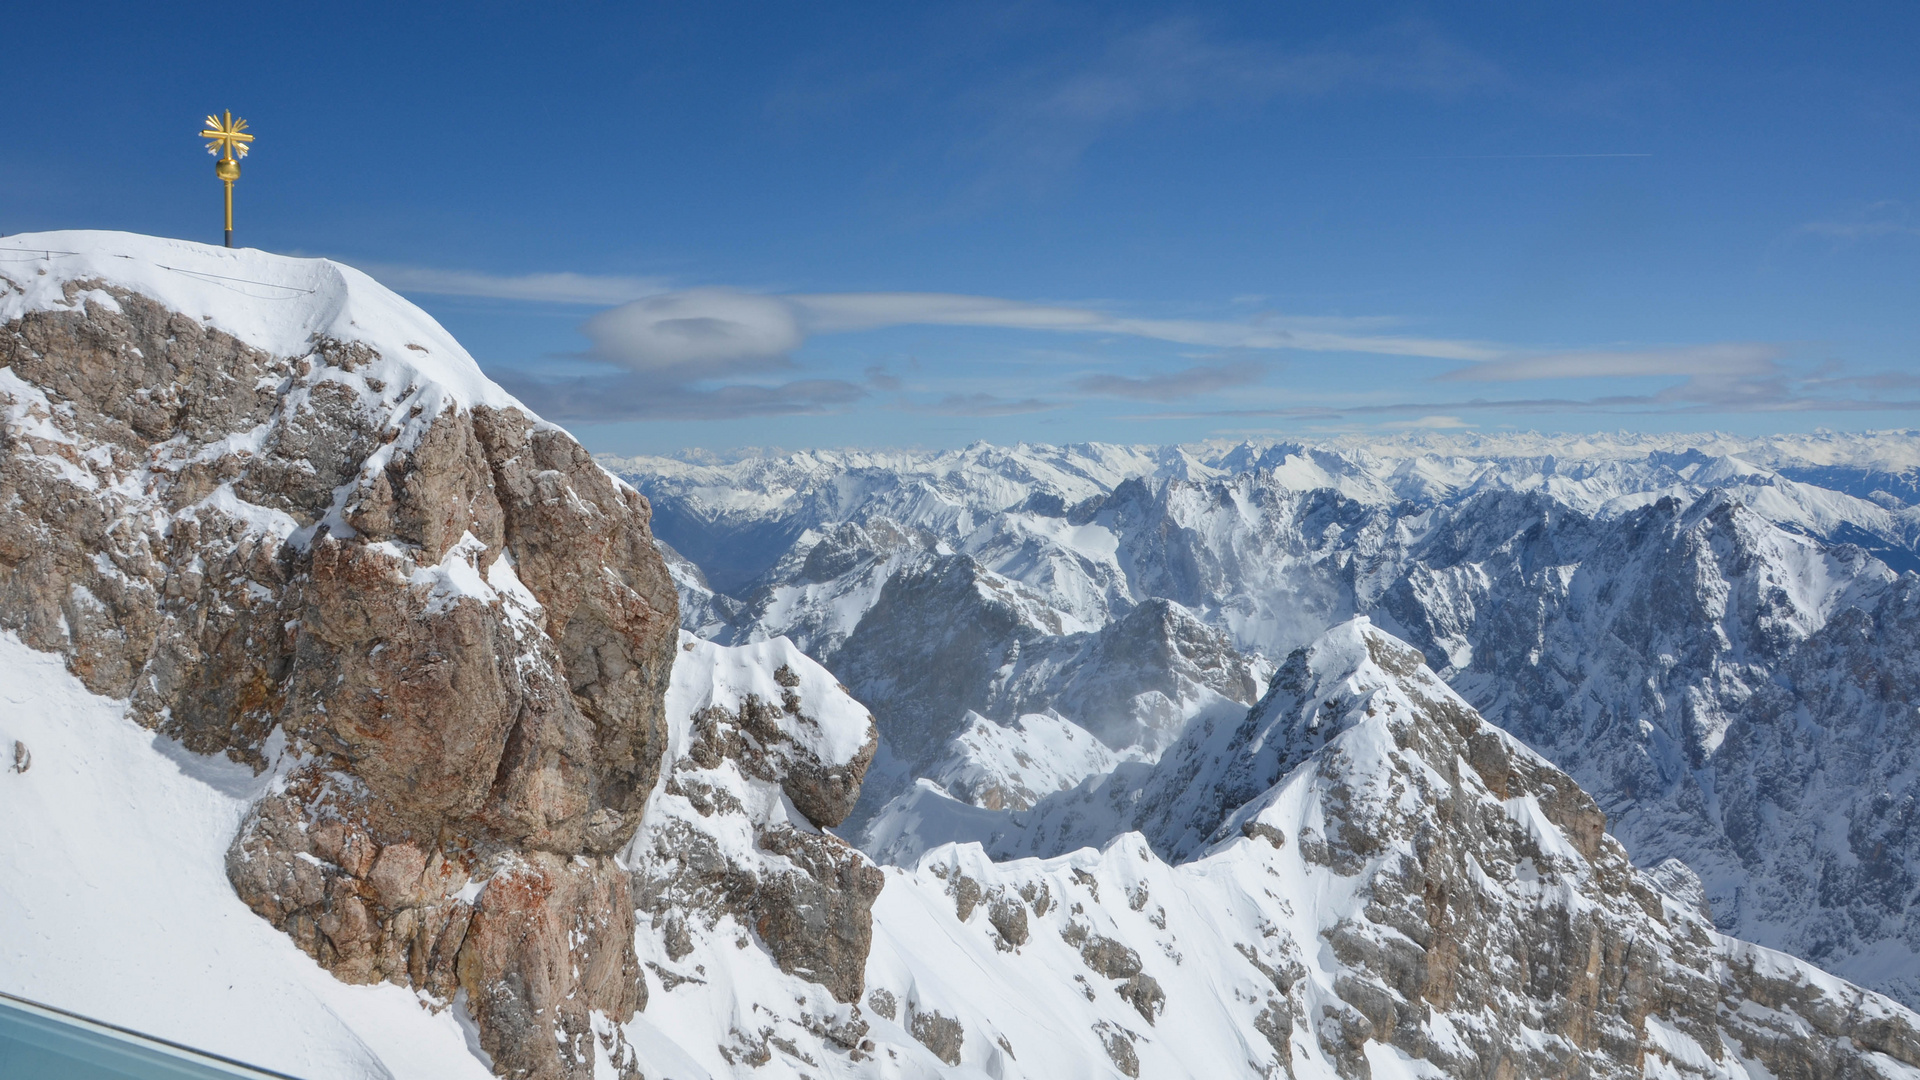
{"type": "Point", "coordinates": [1012, 766]}
{"type": "Point", "coordinates": [707, 676]}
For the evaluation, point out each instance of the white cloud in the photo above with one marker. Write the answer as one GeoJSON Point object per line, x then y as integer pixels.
{"type": "Point", "coordinates": [1724, 359]}
{"type": "Point", "coordinates": [1045, 118]}
{"type": "Point", "coordinates": [713, 330]}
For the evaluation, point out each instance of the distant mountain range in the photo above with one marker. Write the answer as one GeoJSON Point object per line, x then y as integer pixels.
{"type": "Point", "coordinates": [1718, 637]}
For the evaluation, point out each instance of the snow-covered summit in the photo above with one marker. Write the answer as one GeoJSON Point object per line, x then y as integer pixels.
{"type": "Point", "coordinates": [275, 303]}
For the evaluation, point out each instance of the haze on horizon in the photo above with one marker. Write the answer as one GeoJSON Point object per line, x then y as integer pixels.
{"type": "Point", "coordinates": [758, 224]}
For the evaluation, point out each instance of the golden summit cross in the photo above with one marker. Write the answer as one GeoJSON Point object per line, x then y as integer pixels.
{"type": "Point", "coordinates": [227, 137]}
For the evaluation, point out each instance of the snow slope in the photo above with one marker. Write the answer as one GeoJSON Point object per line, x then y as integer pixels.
{"type": "Point", "coordinates": [1093, 964]}
{"type": "Point", "coordinates": [117, 906]}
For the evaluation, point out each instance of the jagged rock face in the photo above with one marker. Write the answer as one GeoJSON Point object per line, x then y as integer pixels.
{"type": "Point", "coordinates": [1829, 845]}
{"type": "Point", "coordinates": [1136, 681]}
{"type": "Point", "coordinates": [1581, 973]}
{"type": "Point", "coordinates": [947, 637]}
{"type": "Point", "coordinates": [1671, 661]}
{"type": "Point", "coordinates": [931, 648]}
{"type": "Point", "coordinates": [455, 618]}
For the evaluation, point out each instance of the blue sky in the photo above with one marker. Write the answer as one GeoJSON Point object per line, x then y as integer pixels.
{"type": "Point", "coordinates": [729, 225]}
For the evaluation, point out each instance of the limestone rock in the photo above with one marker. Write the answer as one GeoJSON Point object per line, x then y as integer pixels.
{"type": "Point", "coordinates": [453, 617]}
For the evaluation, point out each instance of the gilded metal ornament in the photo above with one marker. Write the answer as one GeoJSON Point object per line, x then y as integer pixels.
{"type": "Point", "coordinates": [227, 137]}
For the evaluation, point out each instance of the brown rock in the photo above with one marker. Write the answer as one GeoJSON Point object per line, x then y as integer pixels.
{"type": "Point", "coordinates": [1009, 919]}
{"type": "Point", "coordinates": [818, 924]}
{"type": "Point", "coordinates": [1144, 994]}
{"type": "Point", "coordinates": [1110, 958]}
{"type": "Point", "coordinates": [550, 941]}
{"type": "Point", "coordinates": [1120, 1051]}
{"type": "Point", "coordinates": [941, 1034]}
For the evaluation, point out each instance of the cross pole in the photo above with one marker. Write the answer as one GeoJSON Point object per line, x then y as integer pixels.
{"type": "Point", "coordinates": [227, 139]}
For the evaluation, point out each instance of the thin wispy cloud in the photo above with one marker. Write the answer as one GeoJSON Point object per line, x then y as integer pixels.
{"type": "Point", "coordinates": [1888, 217]}
{"type": "Point", "coordinates": [1045, 119]}
{"type": "Point", "coordinates": [1178, 63]}
{"type": "Point", "coordinates": [983, 405]}
{"type": "Point", "coordinates": [651, 327]}
{"type": "Point", "coordinates": [735, 329]}
{"type": "Point", "coordinates": [595, 290]}
{"type": "Point", "coordinates": [722, 353]}
{"type": "Point", "coordinates": [1874, 383]}
{"type": "Point", "coordinates": [631, 396]}
{"type": "Point", "coordinates": [1701, 395]}
{"type": "Point", "coordinates": [666, 350]}
{"type": "Point", "coordinates": [1173, 385]}
{"type": "Point", "coordinates": [1719, 359]}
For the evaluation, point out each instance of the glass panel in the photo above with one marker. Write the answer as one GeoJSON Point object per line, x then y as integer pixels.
{"type": "Point", "coordinates": [38, 1042]}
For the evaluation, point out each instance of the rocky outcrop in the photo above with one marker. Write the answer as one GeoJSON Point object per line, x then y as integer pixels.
{"type": "Point", "coordinates": [437, 617]}
{"type": "Point", "coordinates": [733, 863]}
{"type": "Point", "coordinates": [783, 770]}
